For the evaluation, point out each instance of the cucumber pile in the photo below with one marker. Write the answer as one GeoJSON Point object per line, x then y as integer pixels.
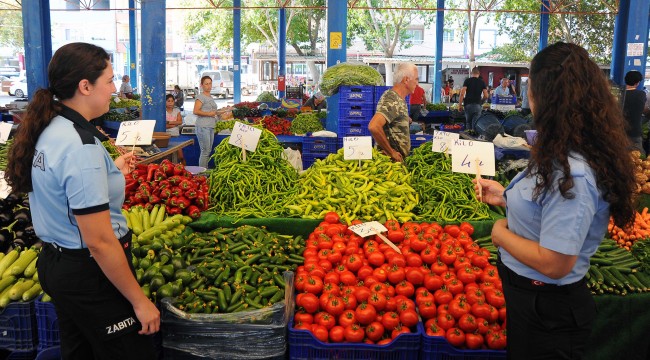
{"type": "Point", "coordinates": [19, 280]}
{"type": "Point", "coordinates": [614, 270]}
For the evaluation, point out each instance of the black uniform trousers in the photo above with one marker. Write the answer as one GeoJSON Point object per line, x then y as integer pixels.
{"type": "Point", "coordinates": [95, 320]}
{"type": "Point", "coordinates": [546, 321]}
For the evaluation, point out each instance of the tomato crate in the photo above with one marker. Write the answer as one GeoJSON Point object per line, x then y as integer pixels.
{"type": "Point", "coordinates": [18, 327]}
{"type": "Point", "coordinates": [417, 140]}
{"type": "Point", "coordinates": [47, 324]}
{"type": "Point", "coordinates": [312, 145]}
{"type": "Point", "coordinates": [354, 128]}
{"type": "Point", "coordinates": [437, 348]}
{"type": "Point", "coordinates": [309, 159]}
{"type": "Point", "coordinates": [355, 111]}
{"type": "Point", "coordinates": [358, 93]}
{"type": "Point", "coordinates": [303, 345]}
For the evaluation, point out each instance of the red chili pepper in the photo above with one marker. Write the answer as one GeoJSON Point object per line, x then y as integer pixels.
{"type": "Point", "coordinates": [193, 212]}
{"type": "Point", "coordinates": [151, 168]}
{"type": "Point", "coordinates": [176, 191]}
{"type": "Point", "coordinates": [159, 175]}
{"type": "Point", "coordinates": [174, 210]}
{"type": "Point", "coordinates": [179, 169]}
{"type": "Point", "coordinates": [173, 201]}
{"type": "Point", "coordinates": [168, 167]}
{"type": "Point", "coordinates": [148, 206]}
{"type": "Point", "coordinates": [131, 185]}
{"type": "Point", "coordinates": [183, 202]}
{"type": "Point", "coordinates": [165, 193]}
{"type": "Point", "coordinates": [164, 184]}
{"type": "Point", "coordinates": [185, 184]}
{"type": "Point", "coordinates": [154, 199]}
{"type": "Point", "coordinates": [175, 180]}
{"type": "Point", "coordinates": [191, 194]}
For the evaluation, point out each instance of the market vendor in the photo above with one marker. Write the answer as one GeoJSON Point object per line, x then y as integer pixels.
{"type": "Point", "coordinates": [126, 91]}
{"type": "Point", "coordinates": [504, 88]}
{"type": "Point", "coordinates": [418, 102]}
{"type": "Point", "coordinates": [390, 124]}
{"type": "Point", "coordinates": [317, 102]}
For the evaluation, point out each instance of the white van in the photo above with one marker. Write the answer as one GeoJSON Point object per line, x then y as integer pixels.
{"type": "Point", "coordinates": [222, 82]}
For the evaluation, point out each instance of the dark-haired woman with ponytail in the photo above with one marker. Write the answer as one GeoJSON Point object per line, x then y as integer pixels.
{"type": "Point", "coordinates": [558, 208]}
{"type": "Point", "coordinates": [76, 192]}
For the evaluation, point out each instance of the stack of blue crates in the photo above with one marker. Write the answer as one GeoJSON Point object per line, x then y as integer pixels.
{"type": "Point", "coordinates": [314, 148]}
{"type": "Point", "coordinates": [356, 108]}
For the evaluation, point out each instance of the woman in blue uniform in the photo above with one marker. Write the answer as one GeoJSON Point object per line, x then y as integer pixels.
{"type": "Point", "coordinates": [558, 209]}
{"type": "Point", "coordinates": [76, 192]}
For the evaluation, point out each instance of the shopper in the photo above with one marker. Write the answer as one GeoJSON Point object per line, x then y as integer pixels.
{"type": "Point", "coordinates": [633, 106]}
{"type": "Point", "coordinates": [76, 193]}
{"type": "Point", "coordinates": [173, 122]}
{"type": "Point", "coordinates": [525, 107]}
{"type": "Point", "coordinates": [418, 103]}
{"type": "Point", "coordinates": [504, 88]}
{"type": "Point", "coordinates": [473, 93]}
{"type": "Point", "coordinates": [126, 91]}
{"type": "Point", "coordinates": [390, 124]}
{"type": "Point", "coordinates": [317, 102]}
{"type": "Point", "coordinates": [205, 108]}
{"type": "Point", "coordinates": [179, 97]}
{"type": "Point", "coordinates": [558, 209]}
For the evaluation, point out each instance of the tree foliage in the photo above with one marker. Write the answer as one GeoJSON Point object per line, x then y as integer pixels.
{"type": "Point", "coordinates": [588, 23]}
{"type": "Point", "coordinates": [385, 29]}
{"type": "Point", "coordinates": [11, 25]}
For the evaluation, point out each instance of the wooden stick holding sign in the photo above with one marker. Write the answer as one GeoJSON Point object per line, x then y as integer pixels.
{"type": "Point", "coordinates": [478, 179]}
{"type": "Point", "coordinates": [373, 228]}
{"type": "Point", "coordinates": [388, 242]}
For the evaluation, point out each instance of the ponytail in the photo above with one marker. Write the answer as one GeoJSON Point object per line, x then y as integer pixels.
{"type": "Point", "coordinates": [40, 112]}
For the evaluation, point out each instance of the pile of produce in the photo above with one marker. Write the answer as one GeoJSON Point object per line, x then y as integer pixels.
{"type": "Point", "coordinates": [641, 172]}
{"type": "Point", "coordinates": [444, 195]}
{"type": "Point", "coordinates": [246, 109]}
{"type": "Point", "coordinates": [257, 187]}
{"type": "Point", "coordinates": [19, 280]}
{"type": "Point", "coordinates": [640, 230]}
{"type": "Point", "coordinates": [348, 74]}
{"type": "Point", "coordinates": [266, 96]}
{"type": "Point", "coordinates": [119, 116]}
{"type": "Point", "coordinates": [125, 103]}
{"type": "Point", "coordinates": [4, 153]}
{"type": "Point", "coordinates": [16, 223]}
{"type": "Point", "coordinates": [436, 107]}
{"type": "Point", "coordinates": [615, 271]}
{"type": "Point", "coordinates": [305, 123]}
{"type": "Point", "coordinates": [355, 290]}
{"type": "Point", "coordinates": [223, 125]}
{"type": "Point", "coordinates": [276, 125]}
{"type": "Point", "coordinates": [376, 189]}
{"type": "Point", "coordinates": [167, 183]}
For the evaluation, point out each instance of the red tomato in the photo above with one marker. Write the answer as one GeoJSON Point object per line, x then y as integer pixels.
{"type": "Point", "coordinates": [502, 314]}
{"type": "Point", "coordinates": [417, 243]}
{"type": "Point", "coordinates": [483, 326]}
{"type": "Point", "coordinates": [381, 274]}
{"type": "Point", "coordinates": [347, 318]}
{"type": "Point", "coordinates": [335, 306]}
{"type": "Point", "coordinates": [353, 263]}
{"type": "Point", "coordinates": [481, 310]}
{"type": "Point", "coordinates": [320, 332]}
{"type": "Point", "coordinates": [378, 300]}
{"type": "Point", "coordinates": [445, 321]}
{"type": "Point", "coordinates": [447, 255]}
{"type": "Point", "coordinates": [302, 326]}
{"type": "Point", "coordinates": [443, 296]}
{"type": "Point", "coordinates": [429, 255]}
{"type": "Point", "coordinates": [427, 310]}
{"type": "Point", "coordinates": [496, 340]}
{"type": "Point", "coordinates": [480, 261]}
{"type": "Point", "coordinates": [332, 277]}
{"type": "Point", "coordinates": [395, 236]}
{"type": "Point", "coordinates": [376, 258]}
{"type": "Point", "coordinates": [375, 331]}
{"type": "Point", "coordinates": [474, 296]}
{"type": "Point", "coordinates": [490, 274]}
{"type": "Point", "coordinates": [432, 328]}
{"type": "Point", "coordinates": [399, 330]}
{"type": "Point", "coordinates": [309, 302]}
{"type": "Point", "coordinates": [454, 286]}
{"type": "Point", "coordinates": [362, 293]}
{"type": "Point", "coordinates": [303, 317]}
{"type": "Point", "coordinates": [405, 288]}
{"type": "Point", "coordinates": [452, 230]}
{"type": "Point", "coordinates": [392, 224]}
{"type": "Point", "coordinates": [456, 337]}
{"type": "Point", "coordinates": [432, 281]}
{"type": "Point", "coordinates": [466, 275]}
{"type": "Point", "coordinates": [467, 227]}
{"type": "Point", "coordinates": [390, 320]}
{"type": "Point", "coordinates": [423, 295]}
{"type": "Point", "coordinates": [349, 302]}
{"type": "Point", "coordinates": [397, 260]}
{"type": "Point", "coordinates": [458, 308]}
{"type": "Point", "coordinates": [495, 298]}
{"type": "Point", "coordinates": [409, 318]}
{"type": "Point", "coordinates": [365, 313]}
{"type": "Point", "coordinates": [314, 284]}
{"type": "Point", "coordinates": [336, 334]}
{"type": "Point", "coordinates": [325, 319]}
{"type": "Point", "coordinates": [384, 341]}
{"type": "Point", "coordinates": [332, 218]}
{"type": "Point", "coordinates": [473, 341]}
{"type": "Point", "coordinates": [413, 260]}
{"type": "Point", "coordinates": [353, 333]}
{"type": "Point", "coordinates": [396, 275]}
{"type": "Point", "coordinates": [415, 276]}
{"type": "Point", "coordinates": [467, 323]}
{"type": "Point", "coordinates": [364, 272]}
{"type": "Point", "coordinates": [348, 278]}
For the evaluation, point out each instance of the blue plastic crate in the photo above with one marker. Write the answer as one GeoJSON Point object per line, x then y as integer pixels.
{"type": "Point", "coordinates": [417, 140]}
{"type": "Point", "coordinates": [355, 111]}
{"type": "Point", "coordinates": [437, 348]}
{"type": "Point", "coordinates": [309, 159]}
{"type": "Point", "coordinates": [18, 327]}
{"type": "Point", "coordinates": [354, 128]}
{"type": "Point", "coordinates": [357, 94]}
{"type": "Point", "coordinates": [379, 91]}
{"type": "Point", "coordinates": [303, 345]}
{"type": "Point", "coordinates": [52, 353]}
{"type": "Point", "coordinates": [323, 145]}
{"type": "Point", "coordinates": [47, 324]}
{"type": "Point", "coordinates": [504, 100]}
{"type": "Point", "coordinates": [500, 153]}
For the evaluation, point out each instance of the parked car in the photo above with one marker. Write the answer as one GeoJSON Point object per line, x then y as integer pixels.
{"type": "Point", "coordinates": [6, 83]}
{"type": "Point", "coordinates": [18, 88]}
{"type": "Point", "coordinates": [222, 82]}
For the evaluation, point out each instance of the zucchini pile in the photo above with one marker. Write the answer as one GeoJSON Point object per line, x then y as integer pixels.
{"type": "Point", "coordinates": [614, 270]}
{"type": "Point", "coordinates": [19, 280]}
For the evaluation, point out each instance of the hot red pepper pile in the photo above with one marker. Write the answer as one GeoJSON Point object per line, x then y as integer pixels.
{"type": "Point", "coordinates": [353, 289]}
{"type": "Point", "coordinates": [170, 184]}
{"type": "Point", "coordinates": [276, 125]}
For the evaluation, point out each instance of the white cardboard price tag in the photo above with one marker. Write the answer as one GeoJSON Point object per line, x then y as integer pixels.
{"type": "Point", "coordinates": [357, 148]}
{"type": "Point", "coordinates": [5, 190]}
{"type": "Point", "coordinates": [443, 141]}
{"type": "Point", "coordinates": [245, 136]}
{"type": "Point", "coordinates": [136, 132]}
{"type": "Point", "coordinates": [467, 154]}
{"type": "Point", "coordinates": [368, 228]}
{"type": "Point", "coordinates": [5, 129]}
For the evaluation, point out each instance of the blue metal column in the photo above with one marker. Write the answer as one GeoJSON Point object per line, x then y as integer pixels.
{"type": "Point", "coordinates": [630, 39]}
{"type": "Point", "coordinates": [282, 46]}
{"type": "Point", "coordinates": [133, 47]}
{"type": "Point", "coordinates": [38, 43]}
{"type": "Point", "coordinates": [236, 56]}
{"type": "Point", "coordinates": [337, 24]}
{"type": "Point", "coordinates": [153, 62]}
{"type": "Point", "coordinates": [437, 67]}
{"type": "Point", "coordinates": [543, 24]}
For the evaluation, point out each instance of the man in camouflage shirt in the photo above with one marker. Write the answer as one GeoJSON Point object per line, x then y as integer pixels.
{"type": "Point", "coordinates": [390, 124]}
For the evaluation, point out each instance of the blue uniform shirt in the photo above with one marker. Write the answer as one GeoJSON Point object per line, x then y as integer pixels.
{"type": "Point", "coordinates": [568, 226]}
{"type": "Point", "coordinates": [73, 174]}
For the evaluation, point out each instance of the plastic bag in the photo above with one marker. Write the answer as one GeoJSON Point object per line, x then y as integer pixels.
{"type": "Point", "coordinates": [510, 142]}
{"type": "Point", "coordinates": [255, 334]}
{"type": "Point", "coordinates": [294, 157]}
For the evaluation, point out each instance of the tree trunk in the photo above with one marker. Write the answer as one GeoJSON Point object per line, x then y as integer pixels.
{"type": "Point", "coordinates": [566, 32]}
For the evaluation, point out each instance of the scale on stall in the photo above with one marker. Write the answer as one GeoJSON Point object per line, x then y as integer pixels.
{"type": "Point", "coordinates": [188, 130]}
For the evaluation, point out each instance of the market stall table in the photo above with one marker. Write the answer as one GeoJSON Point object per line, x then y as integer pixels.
{"type": "Point", "coordinates": [171, 150]}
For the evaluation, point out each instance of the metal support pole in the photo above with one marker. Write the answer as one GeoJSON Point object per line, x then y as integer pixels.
{"type": "Point", "coordinates": [337, 14]}
{"type": "Point", "coordinates": [38, 43]}
{"type": "Point", "coordinates": [437, 67]}
{"type": "Point", "coordinates": [133, 47]}
{"type": "Point", "coordinates": [282, 46]}
{"type": "Point", "coordinates": [543, 24]}
{"type": "Point", "coordinates": [153, 62]}
{"type": "Point", "coordinates": [236, 56]}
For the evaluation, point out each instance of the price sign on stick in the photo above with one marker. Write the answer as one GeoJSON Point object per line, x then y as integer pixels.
{"type": "Point", "coordinates": [245, 136]}
{"type": "Point", "coordinates": [442, 141]}
{"type": "Point", "coordinates": [473, 157]}
{"type": "Point", "coordinates": [138, 132]}
{"type": "Point", "coordinates": [373, 228]}
{"type": "Point", "coordinates": [5, 190]}
{"type": "Point", "coordinates": [5, 129]}
{"type": "Point", "coordinates": [357, 148]}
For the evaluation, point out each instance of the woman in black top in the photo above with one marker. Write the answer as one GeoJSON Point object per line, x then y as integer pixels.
{"type": "Point", "coordinates": [633, 105]}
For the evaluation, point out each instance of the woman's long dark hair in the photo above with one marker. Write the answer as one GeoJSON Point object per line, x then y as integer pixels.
{"type": "Point", "coordinates": [70, 64]}
{"type": "Point", "coordinates": [575, 111]}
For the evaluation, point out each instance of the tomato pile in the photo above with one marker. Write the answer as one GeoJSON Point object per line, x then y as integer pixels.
{"type": "Point", "coordinates": [354, 289]}
{"type": "Point", "coordinates": [452, 127]}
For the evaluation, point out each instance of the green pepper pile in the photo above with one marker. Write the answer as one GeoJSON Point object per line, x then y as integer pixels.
{"type": "Point", "coordinates": [306, 122]}
{"type": "Point", "coordinates": [4, 153]}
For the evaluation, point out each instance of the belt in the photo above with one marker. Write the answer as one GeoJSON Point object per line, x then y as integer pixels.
{"type": "Point", "coordinates": [125, 241]}
{"type": "Point", "coordinates": [523, 282]}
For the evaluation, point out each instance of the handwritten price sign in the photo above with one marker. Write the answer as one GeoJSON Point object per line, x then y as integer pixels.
{"type": "Point", "coordinates": [472, 155]}
{"type": "Point", "coordinates": [443, 141]}
{"type": "Point", "coordinates": [139, 132]}
{"type": "Point", "coordinates": [368, 228]}
{"type": "Point", "coordinates": [5, 130]}
{"type": "Point", "coordinates": [245, 136]}
{"type": "Point", "coordinates": [357, 148]}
